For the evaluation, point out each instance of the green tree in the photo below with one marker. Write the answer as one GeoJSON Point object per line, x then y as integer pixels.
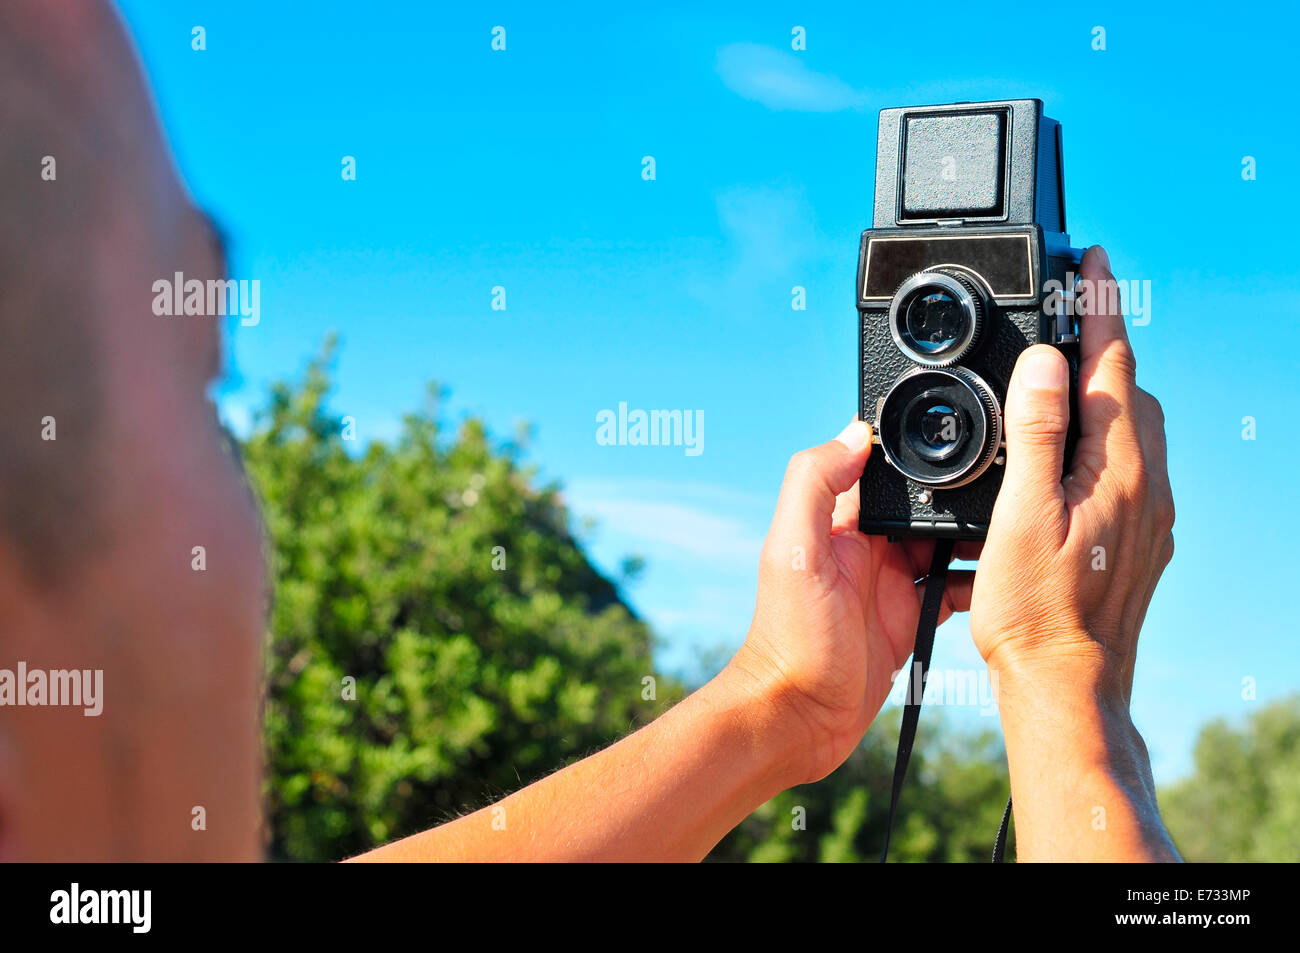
{"type": "Point", "coordinates": [950, 809]}
{"type": "Point", "coordinates": [1242, 803]}
{"type": "Point", "coordinates": [437, 636]}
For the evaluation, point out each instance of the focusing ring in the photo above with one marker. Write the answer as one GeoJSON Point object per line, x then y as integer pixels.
{"type": "Point", "coordinates": [977, 388]}
{"type": "Point", "coordinates": [990, 402]}
{"type": "Point", "coordinates": [970, 299]}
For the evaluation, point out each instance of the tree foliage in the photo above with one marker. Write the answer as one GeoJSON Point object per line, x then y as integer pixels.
{"type": "Point", "coordinates": [950, 808]}
{"type": "Point", "coordinates": [1242, 803]}
{"type": "Point", "coordinates": [486, 649]}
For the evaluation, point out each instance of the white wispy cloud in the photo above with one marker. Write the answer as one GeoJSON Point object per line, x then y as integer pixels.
{"type": "Point", "coordinates": [701, 543]}
{"type": "Point", "coordinates": [771, 229]}
{"type": "Point", "coordinates": [780, 79]}
{"type": "Point", "coordinates": [686, 531]}
{"type": "Point", "coordinates": [770, 242]}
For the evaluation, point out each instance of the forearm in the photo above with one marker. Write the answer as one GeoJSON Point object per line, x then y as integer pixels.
{"type": "Point", "coordinates": [668, 792]}
{"type": "Point", "coordinates": [1080, 775]}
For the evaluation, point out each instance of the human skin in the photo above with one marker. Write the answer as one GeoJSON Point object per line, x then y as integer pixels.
{"type": "Point", "coordinates": [180, 649]}
{"type": "Point", "coordinates": [1063, 586]}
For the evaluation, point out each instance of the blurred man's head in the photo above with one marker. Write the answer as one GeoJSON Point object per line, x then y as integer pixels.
{"type": "Point", "coordinates": [112, 471]}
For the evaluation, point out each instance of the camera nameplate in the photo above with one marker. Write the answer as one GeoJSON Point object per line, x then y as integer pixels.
{"type": "Point", "coordinates": [1004, 261]}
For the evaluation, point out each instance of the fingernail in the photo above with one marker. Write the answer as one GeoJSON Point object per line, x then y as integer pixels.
{"type": "Point", "coordinates": [1041, 370]}
{"type": "Point", "coordinates": [1101, 253]}
{"type": "Point", "coordinates": [855, 436]}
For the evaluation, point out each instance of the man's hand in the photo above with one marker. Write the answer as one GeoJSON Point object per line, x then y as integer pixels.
{"type": "Point", "coordinates": [1063, 585]}
{"type": "Point", "coordinates": [1070, 564]}
{"type": "Point", "coordinates": [837, 610]}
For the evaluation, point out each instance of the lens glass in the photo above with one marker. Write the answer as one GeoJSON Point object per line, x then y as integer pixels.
{"type": "Point", "coordinates": [934, 322]}
{"type": "Point", "coordinates": [934, 426]}
{"type": "Point", "coordinates": [941, 428]}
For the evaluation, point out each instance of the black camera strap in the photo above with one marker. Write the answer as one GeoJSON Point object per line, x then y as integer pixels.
{"type": "Point", "coordinates": [1000, 845]}
{"type": "Point", "coordinates": [931, 602]}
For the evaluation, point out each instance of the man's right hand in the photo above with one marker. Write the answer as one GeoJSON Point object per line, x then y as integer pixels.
{"type": "Point", "coordinates": [1063, 584]}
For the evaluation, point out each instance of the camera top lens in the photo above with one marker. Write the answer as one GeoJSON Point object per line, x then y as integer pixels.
{"type": "Point", "coordinates": [936, 317]}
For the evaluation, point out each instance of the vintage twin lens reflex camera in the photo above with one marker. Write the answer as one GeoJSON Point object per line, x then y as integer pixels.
{"type": "Point", "coordinates": [966, 265]}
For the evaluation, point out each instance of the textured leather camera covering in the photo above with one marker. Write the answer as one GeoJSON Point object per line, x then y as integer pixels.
{"type": "Point", "coordinates": [889, 498]}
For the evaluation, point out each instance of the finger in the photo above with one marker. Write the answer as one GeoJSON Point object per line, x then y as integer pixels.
{"type": "Point", "coordinates": [814, 480]}
{"type": "Point", "coordinates": [1107, 367]}
{"type": "Point", "coordinates": [920, 552]}
{"type": "Point", "coordinates": [1103, 333]}
{"type": "Point", "coordinates": [1151, 431]}
{"type": "Point", "coordinates": [956, 592]}
{"type": "Point", "coordinates": [847, 506]}
{"type": "Point", "coordinates": [1036, 419]}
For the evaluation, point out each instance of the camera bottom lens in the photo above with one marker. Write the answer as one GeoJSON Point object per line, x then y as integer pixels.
{"type": "Point", "coordinates": [940, 427]}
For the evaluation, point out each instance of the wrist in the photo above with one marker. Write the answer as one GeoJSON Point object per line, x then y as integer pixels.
{"type": "Point", "coordinates": [1073, 749]}
{"type": "Point", "coordinates": [1082, 726]}
{"type": "Point", "coordinates": [1081, 781]}
{"type": "Point", "coordinates": [1074, 666]}
{"type": "Point", "coordinates": [764, 711]}
{"type": "Point", "coordinates": [1069, 706]}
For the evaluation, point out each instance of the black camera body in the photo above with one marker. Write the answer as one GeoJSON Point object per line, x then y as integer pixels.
{"type": "Point", "coordinates": [967, 263]}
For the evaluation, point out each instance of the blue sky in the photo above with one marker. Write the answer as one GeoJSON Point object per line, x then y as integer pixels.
{"type": "Point", "coordinates": [522, 169]}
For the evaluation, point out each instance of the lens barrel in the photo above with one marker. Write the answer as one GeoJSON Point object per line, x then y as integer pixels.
{"type": "Point", "coordinates": [936, 317]}
{"type": "Point", "coordinates": [940, 426]}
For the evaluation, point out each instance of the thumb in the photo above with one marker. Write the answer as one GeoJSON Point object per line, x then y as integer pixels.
{"type": "Point", "coordinates": [813, 480]}
{"type": "Point", "coordinates": [1036, 419]}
